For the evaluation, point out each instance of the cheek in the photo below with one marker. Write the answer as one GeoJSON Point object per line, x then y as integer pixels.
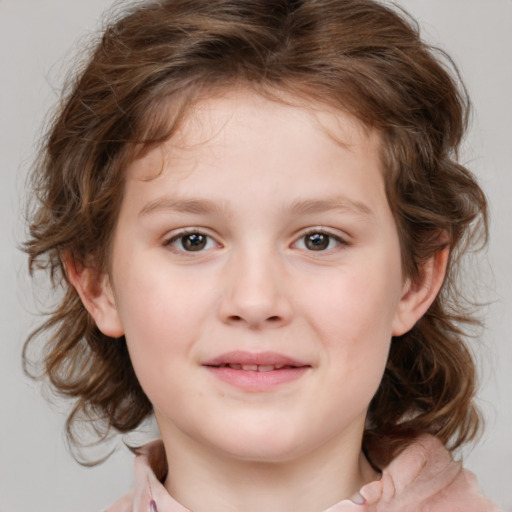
{"type": "Point", "coordinates": [355, 306]}
{"type": "Point", "coordinates": [161, 317]}
{"type": "Point", "coordinates": [354, 323]}
{"type": "Point", "coordinates": [151, 298]}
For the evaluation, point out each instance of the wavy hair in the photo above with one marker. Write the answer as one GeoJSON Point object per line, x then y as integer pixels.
{"type": "Point", "coordinates": [154, 60]}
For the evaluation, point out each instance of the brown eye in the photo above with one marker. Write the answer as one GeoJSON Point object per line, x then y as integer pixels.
{"type": "Point", "coordinates": [193, 242]}
{"type": "Point", "coordinates": [317, 241]}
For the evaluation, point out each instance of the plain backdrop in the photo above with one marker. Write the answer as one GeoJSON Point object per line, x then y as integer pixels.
{"type": "Point", "coordinates": [37, 40]}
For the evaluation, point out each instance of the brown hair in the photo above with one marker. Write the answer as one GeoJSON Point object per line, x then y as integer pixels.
{"type": "Point", "coordinates": [359, 56]}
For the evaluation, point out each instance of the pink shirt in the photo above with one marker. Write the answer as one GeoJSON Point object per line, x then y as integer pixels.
{"type": "Point", "coordinates": [423, 478]}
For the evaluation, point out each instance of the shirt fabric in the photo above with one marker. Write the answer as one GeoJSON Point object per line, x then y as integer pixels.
{"type": "Point", "coordinates": [423, 478]}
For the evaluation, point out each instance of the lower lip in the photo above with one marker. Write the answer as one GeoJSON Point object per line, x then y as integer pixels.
{"type": "Point", "coordinates": [250, 380]}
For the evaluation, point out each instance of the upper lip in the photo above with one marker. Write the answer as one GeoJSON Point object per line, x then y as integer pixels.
{"type": "Point", "coordinates": [249, 358]}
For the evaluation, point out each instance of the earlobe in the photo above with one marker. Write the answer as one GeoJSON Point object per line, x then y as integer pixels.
{"type": "Point", "coordinates": [418, 296]}
{"type": "Point", "coordinates": [96, 293]}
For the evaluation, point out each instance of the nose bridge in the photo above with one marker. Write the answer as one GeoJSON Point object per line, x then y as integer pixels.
{"type": "Point", "coordinates": [256, 292]}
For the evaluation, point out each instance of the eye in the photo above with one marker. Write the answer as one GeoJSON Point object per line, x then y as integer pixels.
{"type": "Point", "coordinates": [318, 241]}
{"type": "Point", "coordinates": [191, 242]}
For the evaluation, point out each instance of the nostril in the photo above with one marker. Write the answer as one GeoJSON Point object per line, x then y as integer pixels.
{"type": "Point", "coordinates": [274, 319]}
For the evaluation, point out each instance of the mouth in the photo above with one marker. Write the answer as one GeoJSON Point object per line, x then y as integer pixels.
{"type": "Point", "coordinates": [256, 372]}
{"type": "Point", "coordinates": [260, 361]}
{"type": "Point", "coordinates": [255, 367]}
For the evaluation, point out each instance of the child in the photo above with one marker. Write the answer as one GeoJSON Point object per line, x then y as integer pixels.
{"type": "Point", "coordinates": [256, 214]}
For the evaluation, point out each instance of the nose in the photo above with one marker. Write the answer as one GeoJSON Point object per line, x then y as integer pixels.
{"type": "Point", "coordinates": [255, 292]}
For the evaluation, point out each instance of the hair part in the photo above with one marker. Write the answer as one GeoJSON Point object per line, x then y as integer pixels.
{"type": "Point", "coordinates": [358, 56]}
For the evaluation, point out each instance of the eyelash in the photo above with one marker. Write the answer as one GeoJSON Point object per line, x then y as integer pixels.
{"type": "Point", "coordinates": [320, 231]}
{"type": "Point", "coordinates": [182, 236]}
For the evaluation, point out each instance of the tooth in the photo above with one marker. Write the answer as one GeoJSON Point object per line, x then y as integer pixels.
{"type": "Point", "coordinates": [266, 367]}
{"type": "Point", "coordinates": [250, 367]}
{"type": "Point", "coordinates": [235, 366]}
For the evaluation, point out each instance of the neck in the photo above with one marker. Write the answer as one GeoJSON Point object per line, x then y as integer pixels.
{"type": "Point", "coordinates": [214, 482]}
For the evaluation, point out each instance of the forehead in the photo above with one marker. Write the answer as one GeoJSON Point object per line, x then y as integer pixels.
{"type": "Point", "coordinates": [228, 118]}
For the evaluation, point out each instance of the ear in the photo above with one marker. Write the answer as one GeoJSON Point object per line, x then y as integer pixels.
{"type": "Point", "coordinates": [97, 296]}
{"type": "Point", "coordinates": [418, 296]}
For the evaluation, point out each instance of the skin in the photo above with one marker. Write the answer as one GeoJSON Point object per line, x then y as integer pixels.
{"type": "Point", "coordinates": [259, 181]}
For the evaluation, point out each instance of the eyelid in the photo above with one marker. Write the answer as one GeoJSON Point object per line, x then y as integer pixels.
{"type": "Point", "coordinates": [183, 232]}
{"type": "Point", "coordinates": [339, 237]}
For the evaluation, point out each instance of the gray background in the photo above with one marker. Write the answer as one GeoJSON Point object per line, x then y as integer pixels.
{"type": "Point", "coordinates": [37, 41]}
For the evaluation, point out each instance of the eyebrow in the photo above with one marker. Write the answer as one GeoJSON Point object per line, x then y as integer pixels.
{"type": "Point", "coordinates": [344, 204]}
{"type": "Point", "coordinates": [195, 206]}
{"type": "Point", "coordinates": [297, 207]}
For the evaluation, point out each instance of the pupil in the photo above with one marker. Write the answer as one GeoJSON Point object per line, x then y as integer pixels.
{"type": "Point", "coordinates": [317, 241]}
{"type": "Point", "coordinates": [193, 242]}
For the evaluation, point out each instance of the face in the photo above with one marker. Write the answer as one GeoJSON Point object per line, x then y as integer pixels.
{"type": "Point", "coordinates": [256, 275]}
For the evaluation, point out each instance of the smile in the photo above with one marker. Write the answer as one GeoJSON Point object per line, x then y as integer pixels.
{"type": "Point", "coordinates": [256, 372]}
{"type": "Point", "coordinates": [255, 367]}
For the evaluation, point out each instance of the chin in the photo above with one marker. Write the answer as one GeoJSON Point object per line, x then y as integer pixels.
{"type": "Point", "coordinates": [273, 445]}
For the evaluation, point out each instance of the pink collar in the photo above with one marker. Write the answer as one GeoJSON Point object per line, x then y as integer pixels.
{"type": "Point", "coordinates": [423, 478]}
